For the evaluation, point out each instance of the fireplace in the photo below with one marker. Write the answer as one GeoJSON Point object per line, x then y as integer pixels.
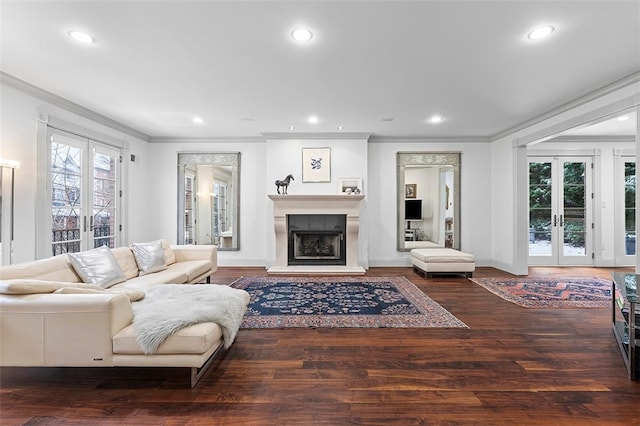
{"type": "Point", "coordinates": [316, 239]}
{"type": "Point", "coordinates": [332, 244]}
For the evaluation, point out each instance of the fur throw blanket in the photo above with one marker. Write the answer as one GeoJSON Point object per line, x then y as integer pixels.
{"type": "Point", "coordinates": [170, 307]}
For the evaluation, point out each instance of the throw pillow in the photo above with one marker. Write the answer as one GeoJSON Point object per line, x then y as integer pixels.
{"type": "Point", "coordinates": [97, 266]}
{"type": "Point", "coordinates": [169, 254]}
{"type": "Point", "coordinates": [149, 256]}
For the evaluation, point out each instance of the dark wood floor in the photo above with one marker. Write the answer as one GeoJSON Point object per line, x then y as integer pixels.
{"type": "Point", "coordinates": [512, 366]}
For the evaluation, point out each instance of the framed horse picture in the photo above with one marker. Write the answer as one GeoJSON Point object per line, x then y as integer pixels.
{"type": "Point", "coordinates": [316, 164]}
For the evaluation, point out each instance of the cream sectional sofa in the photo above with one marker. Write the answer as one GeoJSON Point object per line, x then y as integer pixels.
{"type": "Point", "coordinates": [60, 329]}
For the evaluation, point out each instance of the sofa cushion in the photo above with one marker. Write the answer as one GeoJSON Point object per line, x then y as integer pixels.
{"type": "Point", "coordinates": [442, 255]}
{"type": "Point", "coordinates": [127, 261]}
{"type": "Point", "coordinates": [56, 268]}
{"type": "Point", "coordinates": [97, 266]}
{"type": "Point", "coordinates": [28, 286]}
{"type": "Point", "coordinates": [149, 257]}
{"type": "Point", "coordinates": [146, 282]}
{"type": "Point", "coordinates": [194, 339]}
{"type": "Point", "coordinates": [193, 268]}
{"type": "Point", "coordinates": [133, 295]}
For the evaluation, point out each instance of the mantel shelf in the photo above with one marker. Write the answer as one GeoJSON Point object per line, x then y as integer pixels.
{"type": "Point", "coordinates": [324, 197]}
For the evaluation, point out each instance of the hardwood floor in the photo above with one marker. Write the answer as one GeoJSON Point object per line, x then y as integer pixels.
{"type": "Point", "coordinates": [512, 366]}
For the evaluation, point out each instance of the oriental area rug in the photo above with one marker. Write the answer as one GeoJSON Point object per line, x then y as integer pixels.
{"type": "Point", "coordinates": [550, 292]}
{"type": "Point", "coordinates": [346, 302]}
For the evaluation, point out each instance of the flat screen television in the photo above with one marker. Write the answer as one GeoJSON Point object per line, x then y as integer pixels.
{"type": "Point", "coordinates": [413, 209]}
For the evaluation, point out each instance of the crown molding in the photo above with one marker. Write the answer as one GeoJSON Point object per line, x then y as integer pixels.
{"type": "Point", "coordinates": [594, 138]}
{"type": "Point", "coordinates": [217, 139]}
{"type": "Point", "coordinates": [70, 106]}
{"type": "Point", "coordinates": [306, 136]}
{"type": "Point", "coordinates": [621, 83]}
{"type": "Point", "coordinates": [418, 139]}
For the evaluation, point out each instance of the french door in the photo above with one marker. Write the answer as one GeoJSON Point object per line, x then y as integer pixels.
{"type": "Point", "coordinates": [84, 185]}
{"type": "Point", "coordinates": [560, 211]}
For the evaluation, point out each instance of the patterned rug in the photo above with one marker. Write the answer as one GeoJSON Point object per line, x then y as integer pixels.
{"type": "Point", "coordinates": [550, 292]}
{"type": "Point", "coordinates": [331, 302]}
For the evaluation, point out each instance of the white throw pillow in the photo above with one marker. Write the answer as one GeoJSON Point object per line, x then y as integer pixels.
{"type": "Point", "coordinates": [150, 257]}
{"type": "Point", "coordinates": [98, 266]}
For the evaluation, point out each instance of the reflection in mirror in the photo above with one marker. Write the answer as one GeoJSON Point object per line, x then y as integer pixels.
{"type": "Point", "coordinates": [428, 200]}
{"type": "Point", "coordinates": [208, 199]}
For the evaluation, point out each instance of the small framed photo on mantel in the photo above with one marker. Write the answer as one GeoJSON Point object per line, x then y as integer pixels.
{"type": "Point", "coordinates": [316, 164]}
{"type": "Point", "coordinates": [350, 186]}
{"type": "Point", "coordinates": [410, 190]}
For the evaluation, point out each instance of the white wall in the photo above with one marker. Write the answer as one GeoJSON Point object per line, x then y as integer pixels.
{"type": "Point", "coordinates": [348, 160]}
{"type": "Point", "coordinates": [475, 193]}
{"type": "Point", "coordinates": [253, 200]}
{"type": "Point", "coordinates": [509, 247]}
{"type": "Point", "coordinates": [18, 142]}
{"type": "Point", "coordinates": [491, 183]}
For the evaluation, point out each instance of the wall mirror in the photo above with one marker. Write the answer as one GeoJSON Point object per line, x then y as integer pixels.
{"type": "Point", "coordinates": [208, 199]}
{"type": "Point", "coordinates": [428, 200]}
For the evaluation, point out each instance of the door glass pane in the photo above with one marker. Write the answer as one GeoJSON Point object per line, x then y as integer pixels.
{"type": "Point", "coordinates": [540, 214]}
{"type": "Point", "coordinates": [574, 218]}
{"type": "Point", "coordinates": [630, 208]}
{"type": "Point", "coordinates": [66, 190]}
{"type": "Point", "coordinates": [104, 200]}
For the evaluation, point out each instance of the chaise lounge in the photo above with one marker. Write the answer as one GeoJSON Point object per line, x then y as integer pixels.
{"type": "Point", "coordinates": [50, 317]}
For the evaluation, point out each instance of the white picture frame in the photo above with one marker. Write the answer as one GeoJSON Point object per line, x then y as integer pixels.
{"type": "Point", "coordinates": [350, 186]}
{"type": "Point", "coordinates": [316, 164]}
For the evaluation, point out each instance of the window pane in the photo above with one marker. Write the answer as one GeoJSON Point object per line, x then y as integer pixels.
{"type": "Point", "coordinates": [66, 190]}
{"type": "Point", "coordinates": [630, 208]}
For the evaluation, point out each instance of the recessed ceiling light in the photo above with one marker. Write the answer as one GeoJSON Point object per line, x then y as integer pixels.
{"type": "Point", "coordinates": [81, 37]}
{"type": "Point", "coordinates": [623, 118]}
{"type": "Point", "coordinates": [292, 127]}
{"type": "Point", "coordinates": [435, 119]}
{"type": "Point", "coordinates": [198, 120]}
{"type": "Point", "coordinates": [541, 32]}
{"type": "Point", "coordinates": [313, 119]}
{"type": "Point", "coordinates": [301, 34]}
{"type": "Point", "coordinates": [340, 127]}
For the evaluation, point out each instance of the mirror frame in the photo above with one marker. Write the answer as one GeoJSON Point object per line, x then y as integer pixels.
{"type": "Point", "coordinates": [193, 159]}
{"type": "Point", "coordinates": [426, 158]}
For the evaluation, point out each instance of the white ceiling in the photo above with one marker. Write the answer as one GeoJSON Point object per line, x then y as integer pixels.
{"type": "Point", "coordinates": [156, 64]}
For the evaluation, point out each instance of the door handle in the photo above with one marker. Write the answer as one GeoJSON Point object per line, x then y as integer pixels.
{"type": "Point", "coordinates": [555, 220]}
{"type": "Point", "coordinates": [84, 226]}
{"type": "Point", "coordinates": [91, 223]}
{"type": "Point", "coordinates": [561, 221]}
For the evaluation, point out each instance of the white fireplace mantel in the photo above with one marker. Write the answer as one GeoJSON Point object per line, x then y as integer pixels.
{"type": "Point", "coordinates": [348, 205]}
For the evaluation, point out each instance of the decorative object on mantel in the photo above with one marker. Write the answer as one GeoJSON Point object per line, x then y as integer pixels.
{"type": "Point", "coordinates": [284, 183]}
{"type": "Point", "coordinates": [331, 302]}
{"type": "Point", "coordinates": [316, 164]}
{"type": "Point", "coordinates": [350, 186]}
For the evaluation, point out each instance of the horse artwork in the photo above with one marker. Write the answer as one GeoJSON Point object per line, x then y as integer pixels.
{"type": "Point", "coordinates": [284, 183]}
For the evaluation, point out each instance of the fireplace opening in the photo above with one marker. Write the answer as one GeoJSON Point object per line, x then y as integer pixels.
{"type": "Point", "coordinates": [317, 239]}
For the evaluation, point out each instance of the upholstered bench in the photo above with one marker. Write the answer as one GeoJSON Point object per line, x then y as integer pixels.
{"type": "Point", "coordinates": [443, 261]}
